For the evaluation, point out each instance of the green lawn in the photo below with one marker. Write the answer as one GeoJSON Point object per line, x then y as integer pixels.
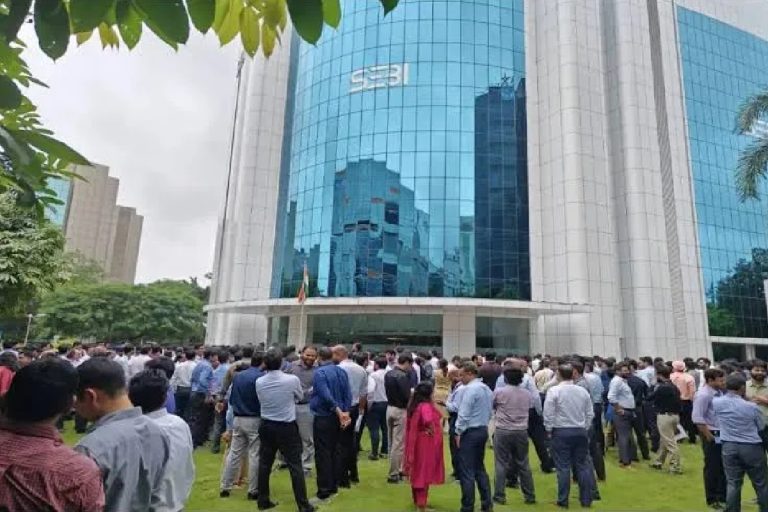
{"type": "Point", "coordinates": [639, 488]}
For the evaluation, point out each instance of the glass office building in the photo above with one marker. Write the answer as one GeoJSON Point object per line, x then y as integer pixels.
{"type": "Point", "coordinates": [722, 66]}
{"type": "Point", "coordinates": [407, 166]}
{"type": "Point", "coordinates": [516, 175]}
{"type": "Point", "coordinates": [58, 213]}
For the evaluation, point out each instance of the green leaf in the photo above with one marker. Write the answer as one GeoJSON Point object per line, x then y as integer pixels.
{"type": "Point", "coordinates": [83, 37]}
{"type": "Point", "coordinates": [167, 18]}
{"type": "Point", "coordinates": [108, 36]}
{"type": "Point", "coordinates": [249, 30]}
{"type": "Point", "coordinates": [231, 24]}
{"type": "Point", "coordinates": [389, 5]}
{"type": "Point", "coordinates": [52, 27]}
{"type": "Point", "coordinates": [268, 38]}
{"type": "Point", "coordinates": [86, 15]}
{"type": "Point", "coordinates": [332, 12]}
{"type": "Point", "coordinates": [17, 13]}
{"type": "Point", "coordinates": [222, 8]}
{"type": "Point", "coordinates": [129, 24]}
{"type": "Point", "coordinates": [307, 18]}
{"type": "Point", "coordinates": [50, 146]}
{"type": "Point", "coordinates": [202, 13]}
{"type": "Point", "coordinates": [10, 95]}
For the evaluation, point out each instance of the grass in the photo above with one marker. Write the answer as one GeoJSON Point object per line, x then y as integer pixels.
{"type": "Point", "coordinates": [636, 489]}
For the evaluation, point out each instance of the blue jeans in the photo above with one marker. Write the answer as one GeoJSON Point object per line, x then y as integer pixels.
{"type": "Point", "coordinates": [472, 469]}
{"type": "Point", "coordinates": [738, 459]}
{"type": "Point", "coordinates": [570, 449]}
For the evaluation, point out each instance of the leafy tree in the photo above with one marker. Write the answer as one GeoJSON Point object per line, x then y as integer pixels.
{"type": "Point", "coordinates": [165, 311]}
{"type": "Point", "coordinates": [753, 163]}
{"type": "Point", "coordinates": [31, 257]}
{"type": "Point", "coordinates": [722, 322]}
{"type": "Point", "coordinates": [29, 155]}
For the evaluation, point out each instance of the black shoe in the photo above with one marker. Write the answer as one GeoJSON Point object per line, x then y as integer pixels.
{"type": "Point", "coordinates": [345, 485]}
{"type": "Point", "coordinates": [373, 456]}
{"type": "Point", "coordinates": [324, 496]}
{"type": "Point", "coordinates": [393, 480]}
{"type": "Point", "coordinates": [224, 494]}
{"type": "Point", "coordinates": [308, 508]}
{"type": "Point", "coordinates": [512, 485]}
{"type": "Point", "coordinates": [530, 501]}
{"type": "Point", "coordinates": [354, 480]}
{"type": "Point", "coordinates": [586, 505]}
{"type": "Point", "coordinates": [253, 496]}
{"type": "Point", "coordinates": [499, 500]}
{"type": "Point", "coordinates": [489, 508]}
{"type": "Point", "coordinates": [548, 470]}
{"type": "Point", "coordinates": [268, 505]}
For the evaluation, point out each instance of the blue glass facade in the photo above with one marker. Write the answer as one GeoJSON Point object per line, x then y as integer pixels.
{"type": "Point", "coordinates": [405, 166]}
{"type": "Point", "coordinates": [57, 213]}
{"type": "Point", "coordinates": [722, 66]}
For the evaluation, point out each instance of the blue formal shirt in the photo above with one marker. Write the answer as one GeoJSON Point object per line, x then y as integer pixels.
{"type": "Point", "coordinates": [454, 399]}
{"type": "Point", "coordinates": [526, 384]}
{"type": "Point", "coordinates": [243, 398]}
{"type": "Point", "coordinates": [278, 393]}
{"type": "Point", "coordinates": [620, 393]}
{"type": "Point", "coordinates": [330, 389]}
{"type": "Point", "coordinates": [595, 387]}
{"type": "Point", "coordinates": [201, 377]}
{"type": "Point", "coordinates": [217, 378]}
{"type": "Point", "coordinates": [702, 413]}
{"type": "Point", "coordinates": [740, 421]}
{"type": "Point", "coordinates": [475, 408]}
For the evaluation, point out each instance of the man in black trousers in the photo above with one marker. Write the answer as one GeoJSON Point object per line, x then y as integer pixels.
{"type": "Point", "coordinates": [278, 393]}
{"type": "Point", "coordinates": [703, 416]}
{"type": "Point", "coordinates": [330, 404]}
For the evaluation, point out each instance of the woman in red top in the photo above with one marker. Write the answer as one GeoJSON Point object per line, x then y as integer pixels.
{"type": "Point", "coordinates": [9, 365]}
{"type": "Point", "coordinates": [423, 445]}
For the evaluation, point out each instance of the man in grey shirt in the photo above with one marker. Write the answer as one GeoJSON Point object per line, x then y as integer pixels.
{"type": "Point", "coordinates": [304, 369]}
{"type": "Point", "coordinates": [130, 449]}
{"type": "Point", "coordinates": [358, 382]}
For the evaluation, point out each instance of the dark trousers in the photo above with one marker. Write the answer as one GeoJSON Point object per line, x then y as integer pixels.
{"type": "Point", "coordinates": [326, 431]}
{"type": "Point", "coordinates": [622, 424]}
{"type": "Point", "coordinates": [570, 447]}
{"type": "Point", "coordinates": [285, 437]}
{"type": "Point", "coordinates": [764, 437]}
{"type": "Point", "coordinates": [377, 427]}
{"type": "Point", "coordinates": [686, 409]}
{"type": "Point", "coordinates": [182, 401]}
{"type": "Point", "coordinates": [538, 436]}
{"type": "Point", "coordinates": [638, 426]}
{"type": "Point", "coordinates": [714, 475]}
{"type": "Point", "coordinates": [651, 426]}
{"type": "Point", "coordinates": [359, 435]}
{"type": "Point", "coordinates": [472, 469]}
{"type": "Point", "coordinates": [510, 450]}
{"type": "Point", "coordinates": [597, 442]}
{"type": "Point", "coordinates": [219, 427]}
{"type": "Point", "coordinates": [452, 445]}
{"type": "Point", "coordinates": [738, 459]}
{"type": "Point", "coordinates": [200, 418]}
{"type": "Point", "coordinates": [346, 451]}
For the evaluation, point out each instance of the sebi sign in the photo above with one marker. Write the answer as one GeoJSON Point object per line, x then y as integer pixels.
{"type": "Point", "coordinates": [377, 77]}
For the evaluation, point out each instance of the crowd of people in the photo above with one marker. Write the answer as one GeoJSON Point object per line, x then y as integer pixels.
{"type": "Point", "coordinates": [144, 411]}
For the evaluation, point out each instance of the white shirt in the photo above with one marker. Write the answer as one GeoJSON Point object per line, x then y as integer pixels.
{"type": "Point", "coordinates": [123, 361]}
{"type": "Point", "coordinates": [376, 390]}
{"type": "Point", "coordinates": [568, 406]}
{"type": "Point", "coordinates": [136, 364]}
{"type": "Point", "coordinates": [435, 362]}
{"type": "Point", "coordinates": [179, 472]}
{"type": "Point", "coordinates": [182, 376]}
{"type": "Point", "coordinates": [418, 372]}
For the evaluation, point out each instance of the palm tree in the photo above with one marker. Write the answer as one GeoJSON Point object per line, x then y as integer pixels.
{"type": "Point", "coordinates": [753, 162]}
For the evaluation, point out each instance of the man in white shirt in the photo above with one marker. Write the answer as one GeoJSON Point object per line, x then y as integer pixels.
{"type": "Point", "coordinates": [568, 416]}
{"type": "Point", "coordinates": [136, 364]}
{"type": "Point", "coordinates": [623, 401]}
{"type": "Point", "coordinates": [181, 382]}
{"type": "Point", "coordinates": [148, 390]}
{"type": "Point", "coordinates": [377, 409]}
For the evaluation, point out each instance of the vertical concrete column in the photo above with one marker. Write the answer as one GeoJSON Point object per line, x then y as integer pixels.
{"type": "Point", "coordinates": [298, 329]}
{"type": "Point", "coordinates": [459, 334]}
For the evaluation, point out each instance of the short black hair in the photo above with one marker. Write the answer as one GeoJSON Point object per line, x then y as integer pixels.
{"type": "Point", "coordinates": [619, 366]}
{"type": "Point", "coordinates": [164, 364]}
{"type": "Point", "coordinates": [490, 355]}
{"type": "Point", "coordinates": [257, 358]}
{"type": "Point", "coordinates": [190, 355]}
{"type": "Point", "coordinates": [273, 359]}
{"type": "Point", "coordinates": [513, 376]}
{"type": "Point", "coordinates": [40, 391]}
{"type": "Point", "coordinates": [664, 371]}
{"type": "Point", "coordinates": [361, 358]}
{"type": "Point", "coordinates": [247, 352]}
{"type": "Point", "coordinates": [469, 367]}
{"type": "Point", "coordinates": [565, 371]}
{"type": "Point", "coordinates": [756, 363]}
{"type": "Point", "coordinates": [381, 362]}
{"type": "Point", "coordinates": [145, 350]}
{"type": "Point", "coordinates": [325, 354]}
{"type": "Point", "coordinates": [404, 358]}
{"type": "Point", "coordinates": [102, 374]}
{"type": "Point", "coordinates": [711, 374]}
{"type": "Point", "coordinates": [148, 390]}
{"type": "Point", "coordinates": [735, 382]}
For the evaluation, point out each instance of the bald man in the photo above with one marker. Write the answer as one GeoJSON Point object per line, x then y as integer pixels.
{"type": "Point", "coordinates": [358, 382]}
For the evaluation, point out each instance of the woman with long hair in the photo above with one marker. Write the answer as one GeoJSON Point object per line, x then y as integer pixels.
{"type": "Point", "coordinates": [423, 445]}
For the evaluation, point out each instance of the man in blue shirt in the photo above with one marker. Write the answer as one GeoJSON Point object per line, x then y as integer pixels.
{"type": "Point", "coordinates": [474, 414]}
{"type": "Point", "coordinates": [200, 406]}
{"type": "Point", "coordinates": [217, 393]}
{"type": "Point", "coordinates": [740, 425]}
{"type": "Point", "coordinates": [246, 410]}
{"type": "Point", "coordinates": [330, 403]}
{"type": "Point", "coordinates": [278, 393]}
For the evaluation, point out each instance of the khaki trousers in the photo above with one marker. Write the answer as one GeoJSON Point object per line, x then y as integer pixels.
{"type": "Point", "coordinates": [667, 425]}
{"type": "Point", "coordinates": [396, 433]}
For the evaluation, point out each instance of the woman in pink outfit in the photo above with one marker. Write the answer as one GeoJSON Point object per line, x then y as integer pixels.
{"type": "Point", "coordinates": [423, 445]}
